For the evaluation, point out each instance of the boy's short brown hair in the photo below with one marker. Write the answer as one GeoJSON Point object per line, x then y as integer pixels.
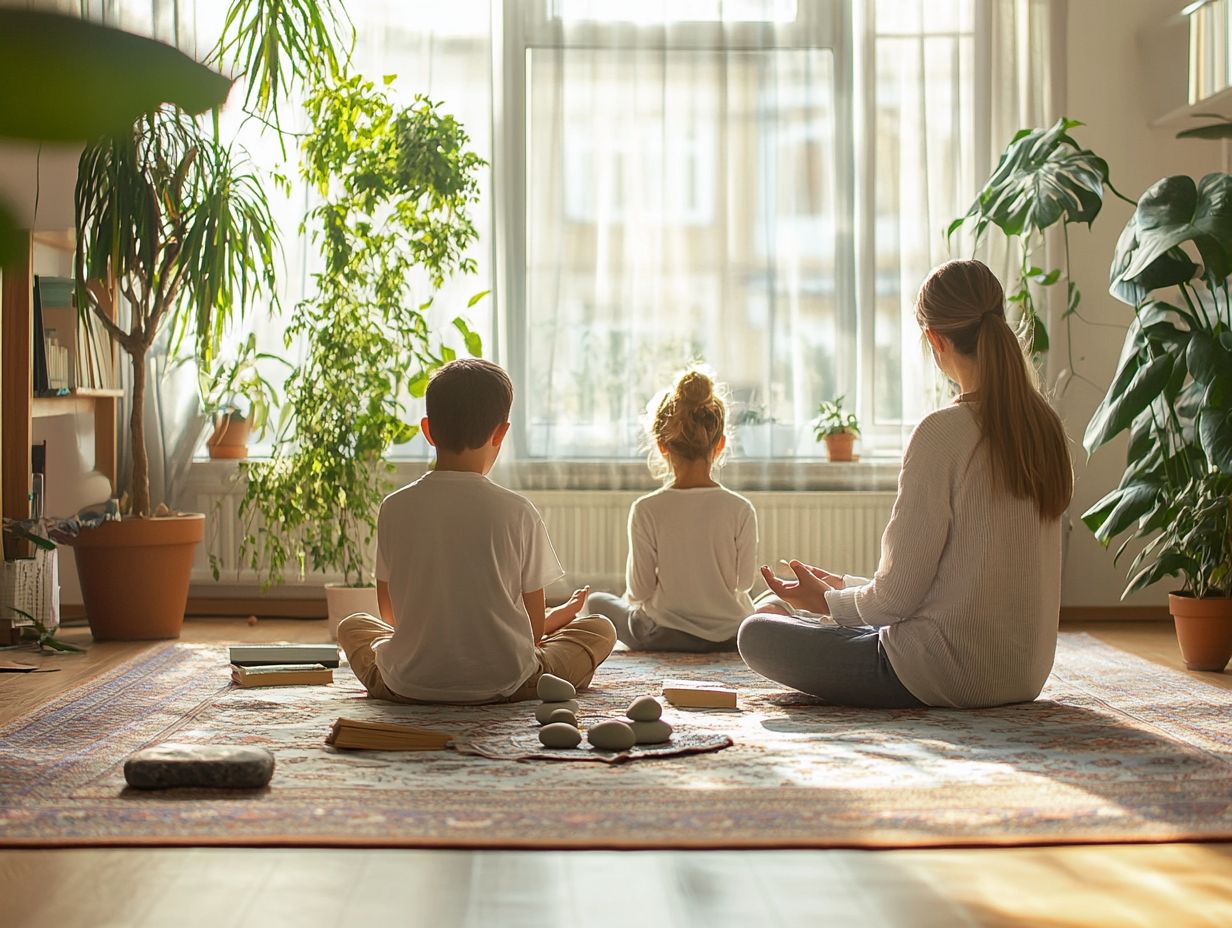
{"type": "Point", "coordinates": [467, 399]}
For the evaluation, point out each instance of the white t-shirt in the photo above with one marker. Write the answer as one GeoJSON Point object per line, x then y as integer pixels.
{"type": "Point", "coordinates": [458, 552]}
{"type": "Point", "coordinates": [692, 559]}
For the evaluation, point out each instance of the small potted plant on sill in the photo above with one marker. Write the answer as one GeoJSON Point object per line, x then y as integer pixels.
{"type": "Point", "coordinates": [237, 399]}
{"type": "Point", "coordinates": [838, 428]}
{"type": "Point", "coordinates": [1172, 392]}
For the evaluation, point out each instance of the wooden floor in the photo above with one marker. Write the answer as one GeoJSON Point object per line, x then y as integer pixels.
{"type": "Point", "coordinates": [1161, 885]}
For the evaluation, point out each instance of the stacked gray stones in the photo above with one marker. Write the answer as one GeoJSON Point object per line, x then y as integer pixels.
{"type": "Point", "coordinates": [642, 723]}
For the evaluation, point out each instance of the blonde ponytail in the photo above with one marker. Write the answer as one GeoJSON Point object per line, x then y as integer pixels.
{"type": "Point", "coordinates": [964, 301]}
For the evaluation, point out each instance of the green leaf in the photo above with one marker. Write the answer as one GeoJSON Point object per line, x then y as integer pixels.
{"type": "Point", "coordinates": [92, 79]}
{"type": "Point", "coordinates": [1119, 409]}
{"type": "Point", "coordinates": [1173, 212]}
{"type": "Point", "coordinates": [1215, 431]}
{"type": "Point", "coordinates": [1169, 564]}
{"type": "Point", "coordinates": [1210, 133]}
{"type": "Point", "coordinates": [419, 384]}
{"type": "Point", "coordinates": [1205, 357]}
{"type": "Point", "coordinates": [1132, 502]}
{"type": "Point", "coordinates": [1043, 177]}
{"type": "Point", "coordinates": [476, 298]}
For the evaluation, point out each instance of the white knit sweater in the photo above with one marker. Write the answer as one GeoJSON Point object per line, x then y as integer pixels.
{"type": "Point", "coordinates": [967, 595]}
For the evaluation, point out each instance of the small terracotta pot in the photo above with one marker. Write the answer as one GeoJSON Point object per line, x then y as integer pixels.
{"type": "Point", "coordinates": [1203, 629]}
{"type": "Point", "coordinates": [343, 601]}
{"type": "Point", "coordinates": [230, 439]}
{"type": "Point", "coordinates": [838, 446]}
{"type": "Point", "coordinates": [134, 575]}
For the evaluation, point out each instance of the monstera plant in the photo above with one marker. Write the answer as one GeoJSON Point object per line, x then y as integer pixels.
{"type": "Point", "coordinates": [1044, 177]}
{"type": "Point", "coordinates": [1172, 392]}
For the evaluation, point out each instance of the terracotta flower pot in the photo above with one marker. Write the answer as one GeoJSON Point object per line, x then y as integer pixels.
{"type": "Point", "coordinates": [343, 601]}
{"type": "Point", "coordinates": [1203, 629]}
{"type": "Point", "coordinates": [838, 446]}
{"type": "Point", "coordinates": [230, 439]}
{"type": "Point", "coordinates": [134, 575]}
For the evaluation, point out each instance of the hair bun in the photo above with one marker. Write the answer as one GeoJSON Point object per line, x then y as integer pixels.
{"type": "Point", "coordinates": [695, 388]}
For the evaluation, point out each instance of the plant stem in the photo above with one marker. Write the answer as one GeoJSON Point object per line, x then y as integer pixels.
{"type": "Point", "coordinates": [141, 461]}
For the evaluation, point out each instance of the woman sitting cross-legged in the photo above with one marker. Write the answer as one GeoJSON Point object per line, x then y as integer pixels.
{"type": "Point", "coordinates": [964, 607]}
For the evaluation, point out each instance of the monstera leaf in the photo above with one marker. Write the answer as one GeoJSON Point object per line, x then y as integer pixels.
{"type": "Point", "coordinates": [1043, 176]}
{"type": "Point", "coordinates": [1174, 212]}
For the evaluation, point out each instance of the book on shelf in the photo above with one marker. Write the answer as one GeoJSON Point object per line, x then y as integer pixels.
{"type": "Point", "coordinates": [257, 655]}
{"type": "Point", "coordinates": [354, 734]}
{"type": "Point", "coordinates": [282, 675]}
{"type": "Point", "coordinates": [40, 380]}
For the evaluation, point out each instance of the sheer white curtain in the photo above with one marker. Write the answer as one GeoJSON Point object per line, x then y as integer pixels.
{"type": "Point", "coordinates": [757, 184]}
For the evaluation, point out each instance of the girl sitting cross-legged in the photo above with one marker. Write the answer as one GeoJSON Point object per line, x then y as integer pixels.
{"type": "Point", "coordinates": [692, 544]}
{"type": "Point", "coordinates": [964, 606]}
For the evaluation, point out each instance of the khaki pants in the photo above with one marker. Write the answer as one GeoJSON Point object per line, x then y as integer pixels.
{"type": "Point", "coordinates": [573, 654]}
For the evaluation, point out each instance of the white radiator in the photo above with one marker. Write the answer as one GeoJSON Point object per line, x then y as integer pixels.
{"type": "Point", "coordinates": [837, 530]}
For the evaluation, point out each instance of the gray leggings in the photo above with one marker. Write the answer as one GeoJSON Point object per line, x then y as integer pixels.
{"type": "Point", "coordinates": [636, 630]}
{"type": "Point", "coordinates": [844, 666]}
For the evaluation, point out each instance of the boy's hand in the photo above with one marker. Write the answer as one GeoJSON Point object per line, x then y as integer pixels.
{"type": "Point", "coordinates": [807, 591]}
{"type": "Point", "coordinates": [562, 615]}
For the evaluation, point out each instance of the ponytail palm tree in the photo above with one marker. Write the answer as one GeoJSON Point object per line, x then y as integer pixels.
{"type": "Point", "coordinates": [174, 234]}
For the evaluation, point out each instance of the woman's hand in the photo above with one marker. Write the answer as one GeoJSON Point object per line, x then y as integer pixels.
{"type": "Point", "coordinates": [835, 581]}
{"type": "Point", "coordinates": [808, 590]}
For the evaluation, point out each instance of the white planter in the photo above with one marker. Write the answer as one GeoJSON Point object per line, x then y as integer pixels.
{"type": "Point", "coordinates": [348, 600]}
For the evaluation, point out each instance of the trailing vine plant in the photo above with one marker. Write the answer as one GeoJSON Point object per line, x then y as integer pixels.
{"type": "Point", "coordinates": [396, 184]}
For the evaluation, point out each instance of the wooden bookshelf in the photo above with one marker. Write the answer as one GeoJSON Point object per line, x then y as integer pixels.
{"type": "Point", "coordinates": [19, 407]}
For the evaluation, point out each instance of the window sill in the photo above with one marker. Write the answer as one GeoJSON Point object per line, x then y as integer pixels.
{"type": "Point", "coordinates": [875, 475]}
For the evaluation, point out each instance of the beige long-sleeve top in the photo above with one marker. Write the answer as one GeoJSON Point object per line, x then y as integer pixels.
{"type": "Point", "coordinates": [692, 559]}
{"type": "Point", "coordinates": [967, 594]}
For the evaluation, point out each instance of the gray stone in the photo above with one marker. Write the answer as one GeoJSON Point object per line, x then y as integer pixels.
{"type": "Point", "coordinates": [563, 715]}
{"type": "Point", "coordinates": [544, 710]}
{"type": "Point", "coordinates": [612, 735]}
{"type": "Point", "coordinates": [205, 766]}
{"type": "Point", "coordinates": [553, 689]}
{"type": "Point", "coordinates": [655, 732]}
{"type": "Point", "coordinates": [560, 735]}
{"type": "Point", "coordinates": [644, 709]}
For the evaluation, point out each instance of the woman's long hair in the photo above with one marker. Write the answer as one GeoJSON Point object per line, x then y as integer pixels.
{"type": "Point", "coordinates": [964, 301]}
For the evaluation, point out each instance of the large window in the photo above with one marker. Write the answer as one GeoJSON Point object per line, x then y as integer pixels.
{"type": "Point", "coordinates": [760, 185]}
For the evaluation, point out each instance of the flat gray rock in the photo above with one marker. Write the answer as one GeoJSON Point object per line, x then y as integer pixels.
{"type": "Point", "coordinates": [560, 735]}
{"type": "Point", "coordinates": [611, 735]}
{"type": "Point", "coordinates": [554, 689]}
{"type": "Point", "coordinates": [645, 709]}
{"type": "Point", "coordinates": [655, 732]}
{"type": "Point", "coordinates": [204, 766]}
{"type": "Point", "coordinates": [544, 711]}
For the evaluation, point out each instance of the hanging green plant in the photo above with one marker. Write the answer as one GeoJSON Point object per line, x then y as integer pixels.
{"type": "Point", "coordinates": [396, 185]}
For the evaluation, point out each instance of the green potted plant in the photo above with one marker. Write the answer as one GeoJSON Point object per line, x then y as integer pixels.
{"type": "Point", "coordinates": [175, 223]}
{"type": "Point", "coordinates": [1172, 392]}
{"type": "Point", "coordinates": [838, 428]}
{"type": "Point", "coordinates": [395, 184]}
{"type": "Point", "coordinates": [1044, 177]}
{"type": "Point", "coordinates": [237, 398]}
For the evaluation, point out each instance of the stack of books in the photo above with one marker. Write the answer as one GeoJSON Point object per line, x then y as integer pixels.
{"type": "Point", "coordinates": [259, 655]}
{"type": "Point", "coordinates": [385, 736]}
{"type": "Point", "coordinates": [282, 675]}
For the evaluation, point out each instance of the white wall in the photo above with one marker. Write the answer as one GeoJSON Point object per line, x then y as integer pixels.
{"type": "Point", "coordinates": [1108, 86]}
{"type": "Point", "coordinates": [36, 184]}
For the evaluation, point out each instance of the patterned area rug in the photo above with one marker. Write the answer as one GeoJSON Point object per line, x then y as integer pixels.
{"type": "Point", "coordinates": [1117, 749]}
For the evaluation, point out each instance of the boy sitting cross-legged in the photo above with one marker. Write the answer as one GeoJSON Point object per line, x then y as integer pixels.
{"type": "Point", "coordinates": [461, 565]}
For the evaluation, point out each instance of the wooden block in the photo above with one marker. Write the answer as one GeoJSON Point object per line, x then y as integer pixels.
{"type": "Point", "coordinates": [699, 694]}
